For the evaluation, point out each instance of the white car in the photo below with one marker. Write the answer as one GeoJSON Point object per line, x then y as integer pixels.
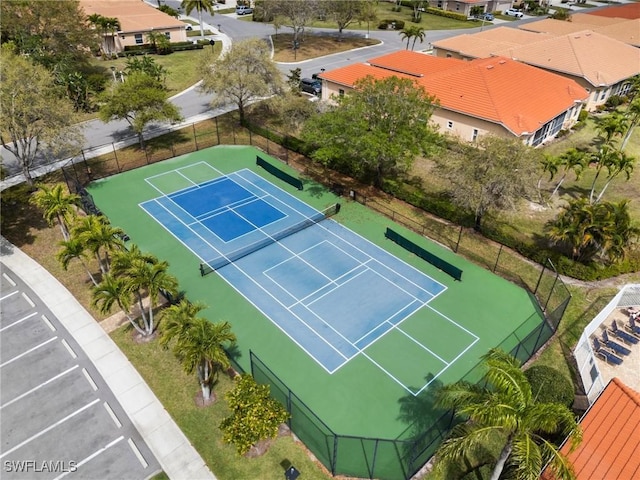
{"type": "Point", "coordinates": [513, 12]}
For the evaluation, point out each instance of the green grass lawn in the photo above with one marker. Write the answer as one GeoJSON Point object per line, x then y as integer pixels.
{"type": "Point", "coordinates": [177, 390]}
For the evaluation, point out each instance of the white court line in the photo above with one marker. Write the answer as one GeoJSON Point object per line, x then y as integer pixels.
{"type": "Point", "coordinates": [454, 322]}
{"type": "Point", "coordinates": [389, 374]}
{"type": "Point", "coordinates": [137, 453]}
{"type": "Point", "coordinates": [69, 349]}
{"type": "Point", "coordinates": [32, 314]}
{"type": "Point", "coordinates": [28, 352]}
{"type": "Point", "coordinates": [26, 297]}
{"type": "Point", "coordinates": [91, 457]}
{"type": "Point", "coordinates": [87, 375]}
{"type": "Point", "coordinates": [49, 428]}
{"type": "Point", "coordinates": [10, 280]}
{"type": "Point", "coordinates": [48, 323]}
{"type": "Point", "coordinates": [29, 392]}
{"type": "Point", "coordinates": [424, 347]}
{"type": "Point", "coordinates": [112, 415]}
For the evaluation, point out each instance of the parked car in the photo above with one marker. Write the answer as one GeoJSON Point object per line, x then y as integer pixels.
{"type": "Point", "coordinates": [311, 85]}
{"type": "Point", "coordinates": [486, 16]}
{"type": "Point", "coordinates": [513, 12]}
{"type": "Point", "coordinates": [243, 10]}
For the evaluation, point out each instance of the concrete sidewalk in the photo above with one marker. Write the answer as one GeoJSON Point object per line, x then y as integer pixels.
{"type": "Point", "coordinates": [176, 455]}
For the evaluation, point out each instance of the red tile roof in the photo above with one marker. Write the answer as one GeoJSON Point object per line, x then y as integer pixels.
{"type": "Point", "coordinates": [610, 448]}
{"type": "Point", "coordinates": [629, 10]}
{"type": "Point", "coordinates": [519, 97]}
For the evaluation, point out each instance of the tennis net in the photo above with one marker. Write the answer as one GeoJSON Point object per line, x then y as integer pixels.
{"type": "Point", "coordinates": [226, 259]}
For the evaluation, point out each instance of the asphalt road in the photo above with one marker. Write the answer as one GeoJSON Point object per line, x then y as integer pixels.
{"type": "Point", "coordinates": [59, 419]}
{"type": "Point", "coordinates": [195, 105]}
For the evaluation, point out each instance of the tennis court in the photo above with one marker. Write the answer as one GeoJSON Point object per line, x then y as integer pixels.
{"type": "Point", "coordinates": [332, 292]}
{"type": "Point", "coordinates": [355, 325]}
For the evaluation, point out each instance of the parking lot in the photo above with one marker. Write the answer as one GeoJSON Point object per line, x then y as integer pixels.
{"type": "Point", "coordinates": [58, 417]}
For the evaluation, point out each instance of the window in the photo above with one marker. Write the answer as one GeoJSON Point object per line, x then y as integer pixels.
{"type": "Point", "coordinates": [167, 35]}
{"type": "Point", "coordinates": [449, 55]}
{"type": "Point", "coordinates": [449, 125]}
{"type": "Point", "coordinates": [548, 130]}
{"type": "Point", "coordinates": [474, 135]}
{"type": "Point", "coordinates": [138, 38]}
{"type": "Point", "coordinates": [603, 94]}
{"type": "Point", "coordinates": [341, 92]}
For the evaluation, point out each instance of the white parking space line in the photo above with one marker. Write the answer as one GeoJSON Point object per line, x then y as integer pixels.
{"type": "Point", "coordinates": [26, 297]}
{"type": "Point", "coordinates": [17, 357]}
{"type": "Point", "coordinates": [49, 324]}
{"type": "Point", "coordinates": [32, 314]}
{"type": "Point", "coordinates": [112, 414]}
{"type": "Point", "coordinates": [143, 462]}
{"type": "Point", "coordinates": [52, 379]}
{"type": "Point", "coordinates": [90, 380]}
{"type": "Point", "coordinates": [91, 457]}
{"type": "Point", "coordinates": [49, 428]}
{"type": "Point", "coordinates": [10, 280]}
{"type": "Point", "coordinates": [9, 294]}
{"type": "Point", "coordinates": [69, 349]}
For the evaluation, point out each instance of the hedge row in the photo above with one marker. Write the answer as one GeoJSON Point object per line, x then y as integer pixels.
{"type": "Point", "coordinates": [441, 206]}
{"type": "Point", "coordinates": [446, 13]}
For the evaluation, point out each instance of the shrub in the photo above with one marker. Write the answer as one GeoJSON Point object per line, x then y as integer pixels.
{"type": "Point", "coordinates": [254, 415]}
{"type": "Point", "coordinates": [548, 385]}
{"type": "Point", "coordinates": [583, 115]}
{"type": "Point", "coordinates": [391, 25]}
{"type": "Point", "coordinates": [446, 13]}
{"type": "Point", "coordinates": [614, 101]}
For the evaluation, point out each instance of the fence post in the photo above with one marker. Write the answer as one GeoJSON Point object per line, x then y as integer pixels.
{"type": "Point", "coordinates": [115, 154]}
{"type": "Point", "coordinates": [268, 134]}
{"type": "Point", "coordinates": [555, 280]}
{"type": "Point", "coordinates": [217, 130]}
{"type": "Point", "coordinates": [195, 137]}
{"type": "Point", "coordinates": [334, 460]}
{"type": "Point", "coordinates": [233, 131]}
{"type": "Point", "coordinates": [535, 290]}
{"type": "Point", "coordinates": [146, 155]}
{"type": "Point", "coordinates": [497, 259]}
{"type": "Point", "coordinates": [459, 239]}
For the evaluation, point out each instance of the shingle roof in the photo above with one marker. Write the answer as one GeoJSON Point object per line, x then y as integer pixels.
{"type": "Point", "coordinates": [134, 15]}
{"type": "Point", "coordinates": [610, 448]}
{"type": "Point", "coordinates": [482, 88]}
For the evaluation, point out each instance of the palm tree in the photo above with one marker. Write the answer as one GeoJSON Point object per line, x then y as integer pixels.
{"type": "Point", "coordinates": [605, 155]}
{"type": "Point", "coordinates": [58, 205]}
{"type": "Point", "coordinates": [418, 34]}
{"type": "Point", "coordinates": [158, 40]}
{"type": "Point", "coordinates": [177, 319]}
{"type": "Point", "coordinates": [144, 276]}
{"type": "Point", "coordinates": [578, 227]}
{"type": "Point", "coordinates": [573, 160]}
{"type": "Point", "coordinates": [618, 163]}
{"type": "Point", "coordinates": [199, 5]}
{"type": "Point", "coordinates": [72, 249]}
{"type": "Point", "coordinates": [610, 126]}
{"type": "Point", "coordinates": [97, 235]}
{"type": "Point", "coordinates": [550, 164]}
{"type": "Point", "coordinates": [633, 119]}
{"type": "Point", "coordinates": [620, 232]}
{"type": "Point", "coordinates": [113, 290]}
{"type": "Point", "coordinates": [505, 410]}
{"type": "Point", "coordinates": [201, 349]}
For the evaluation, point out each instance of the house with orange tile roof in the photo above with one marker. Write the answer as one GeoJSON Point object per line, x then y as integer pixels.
{"type": "Point", "coordinates": [611, 437]}
{"type": "Point", "coordinates": [621, 29]}
{"type": "Point", "coordinates": [136, 19]}
{"type": "Point", "coordinates": [630, 11]}
{"type": "Point", "coordinates": [464, 6]}
{"type": "Point", "coordinates": [494, 95]}
{"type": "Point", "coordinates": [600, 64]}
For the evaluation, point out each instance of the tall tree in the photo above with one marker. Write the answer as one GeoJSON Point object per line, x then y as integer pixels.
{"type": "Point", "coordinates": [199, 6]}
{"type": "Point", "coordinates": [145, 276]}
{"type": "Point", "coordinates": [200, 349]}
{"type": "Point", "coordinates": [618, 163]}
{"type": "Point", "coordinates": [505, 411]}
{"type": "Point", "coordinates": [589, 229]}
{"type": "Point", "coordinates": [53, 34]}
{"type": "Point", "coordinates": [412, 32]}
{"type": "Point", "coordinates": [632, 113]}
{"type": "Point", "coordinates": [572, 160]}
{"type": "Point", "coordinates": [343, 12]}
{"type": "Point", "coordinates": [99, 237]}
{"type": "Point", "coordinates": [177, 319]}
{"type": "Point", "coordinates": [296, 14]}
{"type": "Point", "coordinates": [376, 131]}
{"type": "Point", "coordinates": [114, 290]}
{"type": "Point", "coordinates": [491, 175]}
{"type": "Point", "coordinates": [244, 73]}
{"type": "Point", "coordinates": [36, 120]}
{"type": "Point", "coordinates": [139, 100]}
{"type": "Point", "coordinates": [57, 204]}
{"type": "Point", "coordinates": [611, 126]}
{"type": "Point", "coordinates": [368, 13]}
{"type": "Point", "coordinates": [74, 249]}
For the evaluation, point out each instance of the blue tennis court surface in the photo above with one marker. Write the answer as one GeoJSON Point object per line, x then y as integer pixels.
{"type": "Point", "coordinates": [332, 292]}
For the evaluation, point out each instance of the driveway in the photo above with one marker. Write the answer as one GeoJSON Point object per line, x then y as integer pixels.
{"type": "Point", "coordinates": [58, 417]}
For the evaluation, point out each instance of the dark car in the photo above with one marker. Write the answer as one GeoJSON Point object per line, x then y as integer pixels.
{"type": "Point", "coordinates": [243, 10]}
{"type": "Point", "coordinates": [486, 16]}
{"type": "Point", "coordinates": [311, 85]}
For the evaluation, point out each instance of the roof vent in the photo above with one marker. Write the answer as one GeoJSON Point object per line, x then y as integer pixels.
{"type": "Point", "coordinates": [502, 62]}
{"type": "Point", "coordinates": [489, 67]}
